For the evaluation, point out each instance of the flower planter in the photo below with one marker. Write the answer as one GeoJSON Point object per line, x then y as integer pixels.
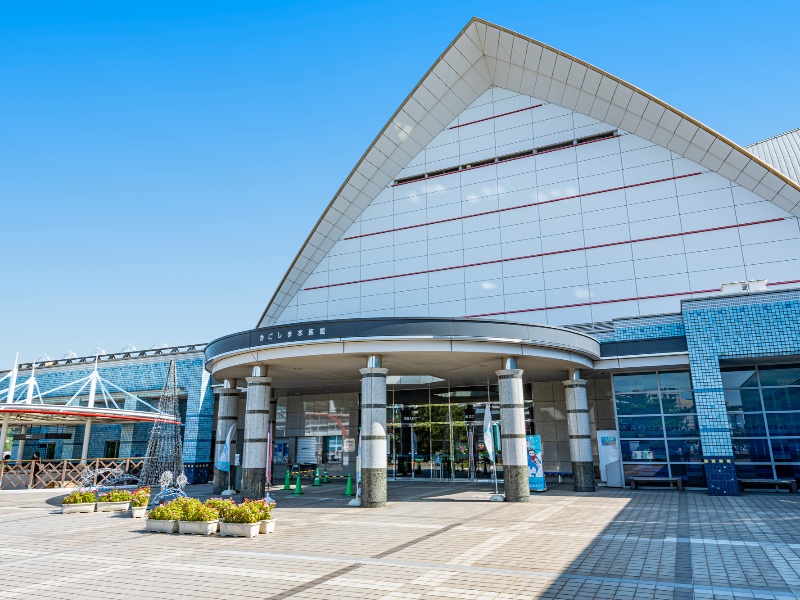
{"type": "Point", "coordinates": [113, 506]}
{"type": "Point", "coordinates": [138, 512]}
{"type": "Point", "coordinates": [239, 529]}
{"type": "Point", "coordinates": [267, 526]}
{"type": "Point", "coordinates": [82, 507]}
{"type": "Point", "coordinates": [197, 527]}
{"type": "Point", "coordinates": [161, 526]}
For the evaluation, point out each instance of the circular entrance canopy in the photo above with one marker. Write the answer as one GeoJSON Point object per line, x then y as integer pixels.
{"type": "Point", "coordinates": [48, 415]}
{"type": "Point", "coordinates": [326, 355]}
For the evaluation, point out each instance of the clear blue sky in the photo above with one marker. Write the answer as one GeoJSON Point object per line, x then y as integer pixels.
{"type": "Point", "coordinates": [162, 162]}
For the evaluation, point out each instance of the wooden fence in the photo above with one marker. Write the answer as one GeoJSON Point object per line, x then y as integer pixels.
{"type": "Point", "coordinates": [42, 474]}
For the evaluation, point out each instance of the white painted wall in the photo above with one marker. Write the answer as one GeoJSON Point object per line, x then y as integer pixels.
{"type": "Point", "coordinates": [585, 278]}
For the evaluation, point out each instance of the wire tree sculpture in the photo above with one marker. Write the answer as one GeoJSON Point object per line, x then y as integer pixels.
{"type": "Point", "coordinates": [165, 449]}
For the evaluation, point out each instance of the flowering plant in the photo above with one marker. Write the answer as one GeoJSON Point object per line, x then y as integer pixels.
{"type": "Point", "coordinates": [263, 508]}
{"type": "Point", "coordinates": [197, 511]}
{"type": "Point", "coordinates": [243, 513]}
{"type": "Point", "coordinates": [79, 498]}
{"type": "Point", "coordinates": [115, 496]}
{"type": "Point", "coordinates": [220, 505]}
{"type": "Point", "coordinates": [141, 497]}
{"type": "Point", "coordinates": [171, 511]}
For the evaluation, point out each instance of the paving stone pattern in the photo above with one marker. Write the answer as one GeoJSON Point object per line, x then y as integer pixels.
{"type": "Point", "coordinates": [433, 540]}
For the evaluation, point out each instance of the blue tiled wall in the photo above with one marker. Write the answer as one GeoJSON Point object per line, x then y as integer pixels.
{"type": "Point", "coordinates": [134, 376]}
{"type": "Point", "coordinates": [748, 326]}
{"type": "Point", "coordinates": [647, 328]}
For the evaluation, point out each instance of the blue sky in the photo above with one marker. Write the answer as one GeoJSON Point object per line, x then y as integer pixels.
{"type": "Point", "coordinates": [161, 163]}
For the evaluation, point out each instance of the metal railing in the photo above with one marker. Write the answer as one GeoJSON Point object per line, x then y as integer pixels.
{"type": "Point", "coordinates": [43, 474]}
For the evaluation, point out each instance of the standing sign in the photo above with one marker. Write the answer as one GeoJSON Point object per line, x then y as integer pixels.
{"type": "Point", "coordinates": [608, 451]}
{"type": "Point", "coordinates": [535, 470]}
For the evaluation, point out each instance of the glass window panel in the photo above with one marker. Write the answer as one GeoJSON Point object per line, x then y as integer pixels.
{"type": "Point", "coordinates": [784, 423]}
{"type": "Point", "coordinates": [734, 378]}
{"type": "Point", "coordinates": [681, 426]}
{"type": "Point", "coordinates": [788, 471]}
{"type": "Point", "coordinates": [786, 450]}
{"type": "Point", "coordinates": [686, 450]}
{"type": "Point", "coordinates": [693, 475]}
{"type": "Point", "coordinates": [677, 402]}
{"type": "Point", "coordinates": [643, 450]}
{"type": "Point", "coordinates": [641, 427]}
{"type": "Point", "coordinates": [636, 382]}
{"type": "Point", "coordinates": [644, 470]}
{"type": "Point", "coordinates": [747, 471]}
{"type": "Point", "coordinates": [751, 450]}
{"type": "Point", "coordinates": [679, 380]}
{"type": "Point", "coordinates": [781, 398]}
{"type": "Point", "coordinates": [638, 404]}
{"type": "Point", "coordinates": [780, 375]}
{"type": "Point", "coordinates": [743, 400]}
{"type": "Point", "coordinates": [745, 425]}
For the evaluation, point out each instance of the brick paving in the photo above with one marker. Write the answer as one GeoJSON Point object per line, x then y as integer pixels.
{"type": "Point", "coordinates": [433, 540]}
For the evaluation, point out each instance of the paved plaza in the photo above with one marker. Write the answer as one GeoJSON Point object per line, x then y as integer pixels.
{"type": "Point", "coordinates": [433, 540]}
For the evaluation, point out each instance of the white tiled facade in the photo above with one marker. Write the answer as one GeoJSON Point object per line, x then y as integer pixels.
{"type": "Point", "coordinates": [577, 286]}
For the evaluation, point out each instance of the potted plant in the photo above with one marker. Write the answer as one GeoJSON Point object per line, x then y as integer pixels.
{"type": "Point", "coordinates": [198, 519]}
{"type": "Point", "coordinates": [114, 500]}
{"type": "Point", "coordinates": [164, 518]}
{"type": "Point", "coordinates": [78, 502]}
{"type": "Point", "coordinates": [221, 506]}
{"type": "Point", "coordinates": [264, 508]}
{"type": "Point", "coordinates": [241, 521]}
{"type": "Point", "coordinates": [139, 501]}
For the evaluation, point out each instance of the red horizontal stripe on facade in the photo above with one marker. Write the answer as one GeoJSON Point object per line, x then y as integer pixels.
{"type": "Point", "coordinates": [94, 415]}
{"type": "Point", "coordinates": [580, 304]}
{"type": "Point", "coordinates": [499, 162]}
{"type": "Point", "coordinates": [513, 112]}
{"type": "Point", "coordinates": [529, 205]}
{"type": "Point", "coordinates": [551, 253]}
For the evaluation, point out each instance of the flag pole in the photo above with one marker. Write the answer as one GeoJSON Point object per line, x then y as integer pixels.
{"type": "Point", "coordinates": [488, 442]}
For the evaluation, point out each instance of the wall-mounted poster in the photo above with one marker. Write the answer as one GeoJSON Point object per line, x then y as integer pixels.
{"type": "Point", "coordinates": [281, 452]}
{"type": "Point", "coordinates": [535, 469]}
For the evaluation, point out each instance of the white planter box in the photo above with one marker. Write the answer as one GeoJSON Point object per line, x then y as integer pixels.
{"type": "Point", "coordinates": [161, 526]}
{"type": "Point", "coordinates": [267, 526]}
{"type": "Point", "coordinates": [83, 507]}
{"type": "Point", "coordinates": [239, 529]}
{"type": "Point", "coordinates": [138, 512]}
{"type": "Point", "coordinates": [197, 527]}
{"type": "Point", "coordinates": [113, 506]}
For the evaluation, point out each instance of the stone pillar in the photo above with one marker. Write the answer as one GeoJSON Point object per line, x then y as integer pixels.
{"type": "Point", "coordinates": [256, 422]}
{"type": "Point", "coordinates": [226, 416]}
{"type": "Point", "coordinates": [512, 432]}
{"type": "Point", "coordinates": [580, 439]}
{"type": "Point", "coordinates": [373, 434]}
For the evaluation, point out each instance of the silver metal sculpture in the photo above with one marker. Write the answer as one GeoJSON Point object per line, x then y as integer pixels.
{"type": "Point", "coordinates": [165, 448]}
{"type": "Point", "coordinates": [168, 490]}
{"type": "Point", "coordinates": [102, 480]}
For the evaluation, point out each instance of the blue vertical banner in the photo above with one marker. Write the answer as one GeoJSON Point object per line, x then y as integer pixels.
{"type": "Point", "coordinates": [536, 480]}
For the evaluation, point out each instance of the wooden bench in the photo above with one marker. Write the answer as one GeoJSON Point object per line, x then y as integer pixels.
{"type": "Point", "coordinates": [791, 483]}
{"type": "Point", "coordinates": [670, 480]}
{"type": "Point", "coordinates": [559, 474]}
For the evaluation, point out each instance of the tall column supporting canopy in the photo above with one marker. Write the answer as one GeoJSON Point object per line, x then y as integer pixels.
{"type": "Point", "coordinates": [580, 439]}
{"type": "Point", "coordinates": [373, 434]}
{"type": "Point", "coordinates": [226, 416]}
{"type": "Point", "coordinates": [256, 424]}
{"type": "Point", "coordinates": [512, 432]}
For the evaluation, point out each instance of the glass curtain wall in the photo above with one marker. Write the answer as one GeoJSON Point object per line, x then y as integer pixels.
{"type": "Point", "coordinates": [658, 429]}
{"type": "Point", "coordinates": [431, 430]}
{"type": "Point", "coordinates": [763, 405]}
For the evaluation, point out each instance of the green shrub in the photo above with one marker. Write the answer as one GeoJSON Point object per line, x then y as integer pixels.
{"type": "Point", "coordinates": [79, 498]}
{"type": "Point", "coordinates": [243, 513]}
{"type": "Point", "coordinates": [197, 511]}
{"type": "Point", "coordinates": [115, 496]}
{"type": "Point", "coordinates": [263, 508]}
{"type": "Point", "coordinates": [220, 505]}
{"type": "Point", "coordinates": [140, 497]}
{"type": "Point", "coordinates": [171, 511]}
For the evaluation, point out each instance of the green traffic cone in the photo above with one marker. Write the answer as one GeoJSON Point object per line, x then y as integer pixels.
{"type": "Point", "coordinates": [298, 488]}
{"type": "Point", "coordinates": [325, 476]}
{"type": "Point", "coordinates": [287, 483]}
{"type": "Point", "coordinates": [317, 482]}
{"type": "Point", "coordinates": [349, 489]}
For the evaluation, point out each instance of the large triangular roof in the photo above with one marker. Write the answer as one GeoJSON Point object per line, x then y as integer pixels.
{"type": "Point", "coordinates": [485, 55]}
